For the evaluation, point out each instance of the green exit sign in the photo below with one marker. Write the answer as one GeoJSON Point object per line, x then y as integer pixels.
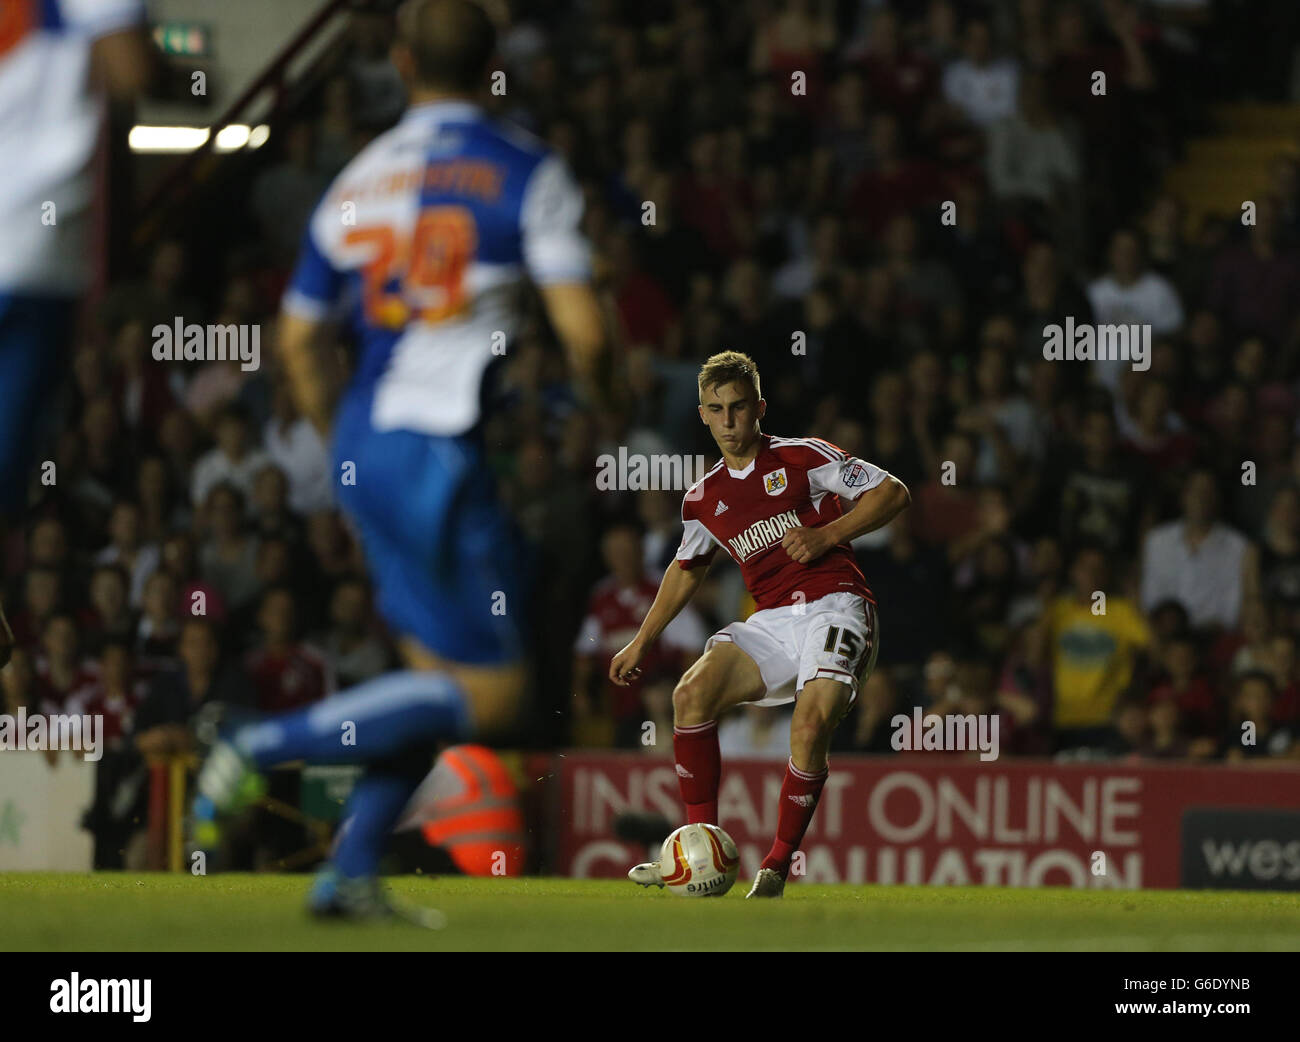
{"type": "Point", "coordinates": [187, 39]}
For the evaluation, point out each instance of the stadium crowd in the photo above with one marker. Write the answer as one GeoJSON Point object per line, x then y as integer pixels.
{"type": "Point", "coordinates": [1109, 558]}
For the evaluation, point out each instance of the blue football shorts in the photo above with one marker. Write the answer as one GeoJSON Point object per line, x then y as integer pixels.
{"type": "Point", "coordinates": [445, 557]}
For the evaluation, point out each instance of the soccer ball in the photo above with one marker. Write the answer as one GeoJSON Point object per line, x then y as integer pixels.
{"type": "Point", "coordinates": [699, 861]}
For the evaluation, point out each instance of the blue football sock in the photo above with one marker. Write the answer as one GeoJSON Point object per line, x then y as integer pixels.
{"type": "Point", "coordinates": [376, 803]}
{"type": "Point", "coordinates": [372, 721]}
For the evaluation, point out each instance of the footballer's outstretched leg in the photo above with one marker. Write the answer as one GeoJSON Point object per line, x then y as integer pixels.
{"type": "Point", "coordinates": [821, 705]}
{"type": "Point", "coordinates": [392, 724]}
{"type": "Point", "coordinates": [724, 677]}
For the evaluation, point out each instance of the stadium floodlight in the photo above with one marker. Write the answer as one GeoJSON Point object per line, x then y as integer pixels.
{"type": "Point", "coordinates": [145, 138]}
{"type": "Point", "coordinates": [233, 137]}
{"type": "Point", "coordinates": [230, 138]}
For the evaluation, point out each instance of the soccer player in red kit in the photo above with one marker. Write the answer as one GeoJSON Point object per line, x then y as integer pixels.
{"type": "Point", "coordinates": [773, 504]}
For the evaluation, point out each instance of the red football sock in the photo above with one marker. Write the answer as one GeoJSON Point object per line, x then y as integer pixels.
{"type": "Point", "coordinates": [799, 794]}
{"type": "Point", "coordinates": [699, 769]}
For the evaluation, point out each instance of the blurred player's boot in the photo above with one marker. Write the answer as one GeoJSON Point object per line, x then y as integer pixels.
{"type": "Point", "coordinates": [334, 896]}
{"type": "Point", "coordinates": [206, 830]}
{"type": "Point", "coordinates": [647, 874]}
{"type": "Point", "coordinates": [227, 784]}
{"type": "Point", "coordinates": [766, 884]}
{"type": "Point", "coordinates": [229, 780]}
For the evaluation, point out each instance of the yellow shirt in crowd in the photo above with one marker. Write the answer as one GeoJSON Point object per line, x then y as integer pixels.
{"type": "Point", "coordinates": [1093, 657]}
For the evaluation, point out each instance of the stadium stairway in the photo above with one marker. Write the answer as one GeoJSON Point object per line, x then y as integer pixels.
{"type": "Point", "coordinates": [1222, 171]}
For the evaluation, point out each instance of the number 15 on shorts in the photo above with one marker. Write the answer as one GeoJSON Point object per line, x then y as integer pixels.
{"type": "Point", "coordinates": [843, 641]}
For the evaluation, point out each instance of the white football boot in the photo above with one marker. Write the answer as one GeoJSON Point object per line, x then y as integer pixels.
{"type": "Point", "coordinates": [766, 884]}
{"type": "Point", "coordinates": [647, 874]}
{"type": "Point", "coordinates": [229, 779]}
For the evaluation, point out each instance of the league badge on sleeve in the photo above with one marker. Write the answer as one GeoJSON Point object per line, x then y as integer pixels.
{"type": "Point", "coordinates": [854, 474]}
{"type": "Point", "coordinates": [775, 482]}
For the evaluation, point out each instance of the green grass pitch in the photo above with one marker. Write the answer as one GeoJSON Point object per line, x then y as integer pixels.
{"type": "Point", "coordinates": [158, 912]}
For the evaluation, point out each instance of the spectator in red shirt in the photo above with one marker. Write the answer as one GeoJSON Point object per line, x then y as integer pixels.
{"type": "Point", "coordinates": [1200, 713]}
{"type": "Point", "coordinates": [1078, 54]}
{"type": "Point", "coordinates": [902, 80]}
{"type": "Point", "coordinates": [1255, 285]}
{"type": "Point", "coordinates": [286, 673]}
{"type": "Point", "coordinates": [946, 509]}
{"type": "Point", "coordinates": [617, 606]}
{"type": "Point", "coordinates": [114, 694]}
{"type": "Point", "coordinates": [60, 670]}
{"type": "Point", "coordinates": [1156, 435]}
{"type": "Point", "coordinates": [895, 185]}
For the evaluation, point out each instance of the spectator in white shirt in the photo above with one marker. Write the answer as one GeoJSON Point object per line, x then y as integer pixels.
{"type": "Point", "coordinates": [138, 559]}
{"type": "Point", "coordinates": [1029, 156]}
{"type": "Point", "coordinates": [1130, 294]}
{"type": "Point", "coordinates": [1207, 567]}
{"type": "Point", "coordinates": [234, 461]}
{"type": "Point", "coordinates": [982, 86]}
{"type": "Point", "coordinates": [298, 449]}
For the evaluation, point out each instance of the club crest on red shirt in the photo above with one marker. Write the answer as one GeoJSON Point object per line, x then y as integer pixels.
{"type": "Point", "coordinates": [774, 482]}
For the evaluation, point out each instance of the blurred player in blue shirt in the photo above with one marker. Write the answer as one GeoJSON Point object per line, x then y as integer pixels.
{"type": "Point", "coordinates": [420, 249]}
{"type": "Point", "coordinates": [58, 59]}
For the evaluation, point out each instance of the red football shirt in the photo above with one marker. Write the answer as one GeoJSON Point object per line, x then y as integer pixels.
{"type": "Point", "coordinates": [791, 483]}
{"type": "Point", "coordinates": [117, 709]}
{"type": "Point", "coordinates": [296, 678]}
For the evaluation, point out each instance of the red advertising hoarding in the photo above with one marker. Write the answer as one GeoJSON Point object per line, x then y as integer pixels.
{"type": "Point", "coordinates": [926, 820]}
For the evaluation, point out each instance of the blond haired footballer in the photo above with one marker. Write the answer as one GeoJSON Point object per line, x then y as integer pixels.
{"type": "Point", "coordinates": [774, 505]}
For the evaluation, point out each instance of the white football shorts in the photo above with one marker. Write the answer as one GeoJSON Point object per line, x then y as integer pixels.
{"type": "Point", "coordinates": [836, 636]}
